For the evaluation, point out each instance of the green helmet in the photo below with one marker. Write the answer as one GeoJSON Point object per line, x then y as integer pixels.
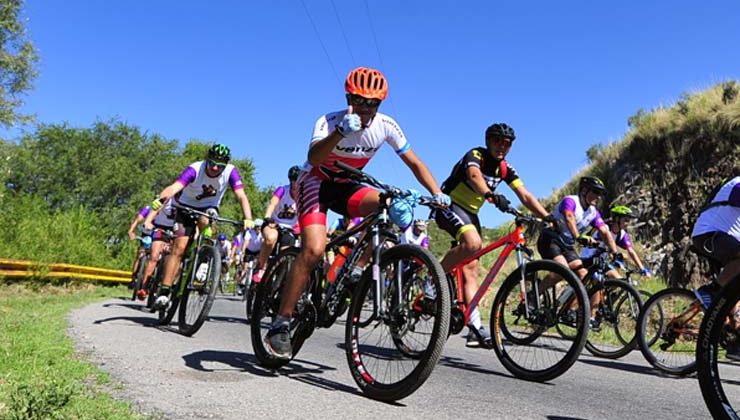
{"type": "Point", "coordinates": [219, 153]}
{"type": "Point", "coordinates": [621, 211]}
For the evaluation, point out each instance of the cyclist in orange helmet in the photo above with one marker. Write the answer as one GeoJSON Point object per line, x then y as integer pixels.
{"type": "Point", "coordinates": [351, 136]}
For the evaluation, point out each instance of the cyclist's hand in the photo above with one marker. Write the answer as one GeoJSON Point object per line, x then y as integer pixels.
{"type": "Point", "coordinates": [550, 219]}
{"type": "Point", "coordinates": [131, 235]}
{"type": "Point", "coordinates": [584, 240]}
{"type": "Point", "coordinates": [248, 224]}
{"type": "Point", "coordinates": [645, 272]}
{"type": "Point", "coordinates": [350, 123]}
{"type": "Point", "coordinates": [156, 204]}
{"type": "Point", "coordinates": [441, 199]}
{"type": "Point", "coordinates": [502, 203]}
{"type": "Point", "coordinates": [618, 259]}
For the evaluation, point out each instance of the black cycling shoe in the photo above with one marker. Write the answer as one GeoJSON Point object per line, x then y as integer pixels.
{"type": "Point", "coordinates": [479, 338]}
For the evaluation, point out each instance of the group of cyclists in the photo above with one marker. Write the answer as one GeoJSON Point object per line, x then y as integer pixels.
{"type": "Point", "coordinates": [353, 136]}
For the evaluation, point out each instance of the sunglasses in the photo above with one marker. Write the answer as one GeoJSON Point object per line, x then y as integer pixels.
{"type": "Point", "coordinates": [503, 141]}
{"type": "Point", "coordinates": [357, 100]}
{"type": "Point", "coordinates": [214, 163]}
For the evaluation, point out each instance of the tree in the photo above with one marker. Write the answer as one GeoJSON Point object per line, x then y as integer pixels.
{"type": "Point", "coordinates": [17, 63]}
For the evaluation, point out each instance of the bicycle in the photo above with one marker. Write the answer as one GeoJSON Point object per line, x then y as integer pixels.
{"type": "Point", "coordinates": [719, 380]}
{"type": "Point", "coordinates": [668, 329]}
{"type": "Point", "coordinates": [195, 286]}
{"type": "Point", "coordinates": [250, 259]}
{"type": "Point", "coordinates": [522, 311]}
{"type": "Point", "coordinates": [146, 243]}
{"type": "Point", "coordinates": [401, 298]}
{"type": "Point", "coordinates": [614, 333]}
{"type": "Point", "coordinates": [152, 286]}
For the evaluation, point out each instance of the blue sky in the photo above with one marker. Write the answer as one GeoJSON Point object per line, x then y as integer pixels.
{"type": "Point", "coordinates": [255, 75]}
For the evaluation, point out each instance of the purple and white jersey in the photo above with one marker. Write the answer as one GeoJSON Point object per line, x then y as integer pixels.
{"type": "Point", "coordinates": [722, 218]}
{"type": "Point", "coordinates": [622, 239]}
{"type": "Point", "coordinates": [585, 219]}
{"type": "Point", "coordinates": [144, 212]}
{"type": "Point", "coordinates": [237, 242]}
{"type": "Point", "coordinates": [253, 239]}
{"type": "Point", "coordinates": [202, 191]}
{"type": "Point", "coordinates": [408, 237]}
{"type": "Point", "coordinates": [285, 213]}
{"type": "Point", "coordinates": [166, 216]}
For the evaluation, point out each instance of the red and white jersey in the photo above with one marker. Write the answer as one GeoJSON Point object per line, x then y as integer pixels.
{"type": "Point", "coordinates": [359, 147]}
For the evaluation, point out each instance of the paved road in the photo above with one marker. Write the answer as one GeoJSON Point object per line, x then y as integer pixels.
{"type": "Point", "coordinates": [215, 375]}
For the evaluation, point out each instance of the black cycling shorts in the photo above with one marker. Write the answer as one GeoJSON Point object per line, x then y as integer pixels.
{"type": "Point", "coordinates": [185, 222]}
{"type": "Point", "coordinates": [550, 246]}
{"type": "Point", "coordinates": [718, 246]}
{"type": "Point", "coordinates": [455, 220]}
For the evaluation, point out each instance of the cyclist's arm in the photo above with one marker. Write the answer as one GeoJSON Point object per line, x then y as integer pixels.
{"type": "Point", "coordinates": [421, 172]}
{"type": "Point", "coordinates": [132, 229]}
{"type": "Point", "coordinates": [570, 222]}
{"type": "Point", "coordinates": [320, 149]}
{"type": "Point", "coordinates": [634, 257]}
{"type": "Point", "coordinates": [271, 205]}
{"type": "Point", "coordinates": [171, 190]}
{"type": "Point", "coordinates": [530, 201]}
{"type": "Point", "coordinates": [241, 197]}
{"type": "Point", "coordinates": [475, 178]}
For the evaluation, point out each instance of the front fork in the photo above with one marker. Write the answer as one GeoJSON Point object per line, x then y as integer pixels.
{"type": "Point", "coordinates": [522, 262]}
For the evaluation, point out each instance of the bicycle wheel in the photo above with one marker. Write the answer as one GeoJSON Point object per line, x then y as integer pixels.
{"type": "Point", "coordinates": [538, 352]}
{"type": "Point", "coordinates": [668, 330]}
{"type": "Point", "coordinates": [719, 378]}
{"type": "Point", "coordinates": [418, 322]}
{"type": "Point", "coordinates": [166, 314]}
{"type": "Point", "coordinates": [153, 286]}
{"type": "Point", "coordinates": [139, 275]}
{"type": "Point", "coordinates": [248, 290]}
{"type": "Point", "coordinates": [199, 295]}
{"type": "Point", "coordinates": [267, 304]}
{"type": "Point", "coordinates": [617, 315]}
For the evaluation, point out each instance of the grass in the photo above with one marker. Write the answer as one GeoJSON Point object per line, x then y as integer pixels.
{"type": "Point", "coordinates": [41, 377]}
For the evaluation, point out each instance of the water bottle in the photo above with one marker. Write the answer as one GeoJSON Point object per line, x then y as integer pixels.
{"type": "Point", "coordinates": [336, 267]}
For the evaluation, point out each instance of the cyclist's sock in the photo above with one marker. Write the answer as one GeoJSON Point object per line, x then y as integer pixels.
{"type": "Point", "coordinates": [475, 319]}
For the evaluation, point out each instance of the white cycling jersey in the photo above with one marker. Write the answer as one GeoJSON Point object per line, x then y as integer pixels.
{"type": "Point", "coordinates": [359, 147]}
{"type": "Point", "coordinates": [253, 238]}
{"type": "Point", "coordinates": [722, 218]}
{"type": "Point", "coordinates": [409, 237]}
{"type": "Point", "coordinates": [202, 191]}
{"type": "Point", "coordinates": [585, 218]}
{"type": "Point", "coordinates": [285, 213]}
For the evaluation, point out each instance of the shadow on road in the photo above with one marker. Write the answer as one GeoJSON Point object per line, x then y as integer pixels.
{"type": "Point", "coordinates": [227, 319]}
{"type": "Point", "coordinates": [130, 305]}
{"type": "Point", "coordinates": [458, 363]}
{"type": "Point", "coordinates": [147, 322]}
{"type": "Point", "coordinates": [300, 370]}
{"type": "Point", "coordinates": [564, 418]}
{"type": "Point", "coordinates": [627, 367]}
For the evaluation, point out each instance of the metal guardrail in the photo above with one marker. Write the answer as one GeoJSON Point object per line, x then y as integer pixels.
{"type": "Point", "coordinates": [27, 269]}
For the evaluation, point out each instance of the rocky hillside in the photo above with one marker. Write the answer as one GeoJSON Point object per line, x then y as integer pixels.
{"type": "Point", "coordinates": [663, 168]}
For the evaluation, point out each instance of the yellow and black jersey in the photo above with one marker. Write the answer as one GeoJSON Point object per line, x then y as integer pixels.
{"type": "Point", "coordinates": [494, 172]}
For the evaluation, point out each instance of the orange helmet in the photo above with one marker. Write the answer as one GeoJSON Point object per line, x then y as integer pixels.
{"type": "Point", "coordinates": [366, 82]}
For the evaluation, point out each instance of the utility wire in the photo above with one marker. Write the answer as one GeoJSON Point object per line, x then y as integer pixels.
{"type": "Point", "coordinates": [377, 47]}
{"type": "Point", "coordinates": [346, 42]}
{"type": "Point", "coordinates": [328, 57]}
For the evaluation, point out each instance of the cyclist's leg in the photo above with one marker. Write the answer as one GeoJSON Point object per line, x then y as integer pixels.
{"type": "Point", "coordinates": [460, 225]}
{"type": "Point", "coordinates": [135, 269]}
{"type": "Point", "coordinates": [156, 253]}
{"type": "Point", "coordinates": [269, 239]}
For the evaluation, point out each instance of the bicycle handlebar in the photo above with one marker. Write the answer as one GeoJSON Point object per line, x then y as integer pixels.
{"type": "Point", "coordinates": [211, 217]}
{"type": "Point", "coordinates": [390, 190]}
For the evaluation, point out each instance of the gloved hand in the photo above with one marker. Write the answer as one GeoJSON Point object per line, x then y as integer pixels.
{"type": "Point", "coordinates": [584, 240]}
{"type": "Point", "coordinates": [350, 123]}
{"type": "Point", "coordinates": [248, 224]}
{"type": "Point", "coordinates": [550, 219]}
{"type": "Point", "coordinates": [645, 272]}
{"type": "Point", "coordinates": [442, 199]}
{"type": "Point", "coordinates": [156, 204]}
{"type": "Point", "coordinates": [618, 260]}
{"type": "Point", "coordinates": [267, 221]}
{"type": "Point", "coordinates": [401, 210]}
{"type": "Point", "coordinates": [502, 203]}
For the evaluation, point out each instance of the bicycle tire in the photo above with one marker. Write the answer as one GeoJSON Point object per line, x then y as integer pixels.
{"type": "Point", "coordinates": [266, 306]}
{"type": "Point", "coordinates": [433, 319]}
{"type": "Point", "coordinates": [618, 313]}
{"type": "Point", "coordinates": [713, 375]}
{"type": "Point", "coordinates": [192, 317]}
{"type": "Point", "coordinates": [542, 317]}
{"type": "Point", "coordinates": [153, 286]}
{"type": "Point", "coordinates": [248, 293]}
{"type": "Point", "coordinates": [166, 315]}
{"type": "Point", "coordinates": [668, 303]}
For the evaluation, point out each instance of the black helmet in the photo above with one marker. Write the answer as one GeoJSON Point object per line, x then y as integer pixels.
{"type": "Point", "coordinates": [500, 130]}
{"type": "Point", "coordinates": [594, 184]}
{"type": "Point", "coordinates": [219, 153]}
{"type": "Point", "coordinates": [293, 172]}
